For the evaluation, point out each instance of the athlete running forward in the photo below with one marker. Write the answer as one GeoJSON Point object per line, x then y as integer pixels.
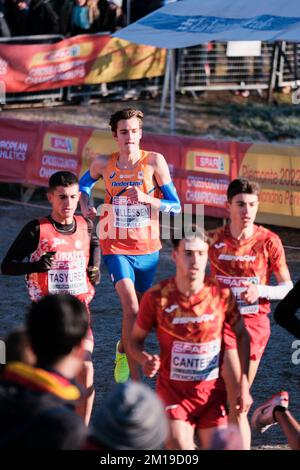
{"type": "Point", "coordinates": [129, 229]}
{"type": "Point", "coordinates": [189, 313]}
{"type": "Point", "coordinates": [243, 256]}
{"type": "Point", "coordinates": [64, 257]}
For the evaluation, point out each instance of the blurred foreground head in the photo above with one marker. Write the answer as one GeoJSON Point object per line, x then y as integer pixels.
{"type": "Point", "coordinates": [131, 418]}
{"type": "Point", "coordinates": [56, 325]}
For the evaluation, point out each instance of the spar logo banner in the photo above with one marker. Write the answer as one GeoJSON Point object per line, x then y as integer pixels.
{"type": "Point", "coordinates": [207, 175]}
{"type": "Point", "coordinates": [83, 59]}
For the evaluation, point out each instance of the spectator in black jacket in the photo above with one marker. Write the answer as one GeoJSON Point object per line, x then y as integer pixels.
{"type": "Point", "coordinates": [16, 14]}
{"type": "Point", "coordinates": [112, 17]}
{"type": "Point", "coordinates": [36, 403]}
{"type": "Point", "coordinates": [42, 18]}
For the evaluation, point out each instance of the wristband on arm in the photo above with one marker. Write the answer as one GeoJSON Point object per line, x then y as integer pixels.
{"type": "Point", "coordinates": [86, 183]}
{"type": "Point", "coordinates": [275, 292]}
{"type": "Point", "coordinates": [171, 201]}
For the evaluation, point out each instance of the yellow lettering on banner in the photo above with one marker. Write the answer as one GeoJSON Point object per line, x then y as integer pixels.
{"type": "Point", "coordinates": [122, 60]}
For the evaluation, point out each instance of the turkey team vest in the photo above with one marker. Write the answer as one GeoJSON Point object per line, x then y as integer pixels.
{"type": "Point", "coordinates": [125, 227]}
{"type": "Point", "coordinates": [70, 262]}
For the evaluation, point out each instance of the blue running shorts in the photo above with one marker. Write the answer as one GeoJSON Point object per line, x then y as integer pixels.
{"type": "Point", "coordinates": [141, 269]}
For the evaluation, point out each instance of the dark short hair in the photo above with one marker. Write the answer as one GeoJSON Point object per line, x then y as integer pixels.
{"type": "Point", "coordinates": [55, 325]}
{"type": "Point", "coordinates": [16, 342]}
{"type": "Point", "coordinates": [187, 233]}
{"type": "Point", "coordinates": [126, 113]}
{"type": "Point", "coordinates": [62, 178]}
{"type": "Point", "coordinates": [242, 186]}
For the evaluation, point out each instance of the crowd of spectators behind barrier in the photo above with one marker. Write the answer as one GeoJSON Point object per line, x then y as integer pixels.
{"type": "Point", "coordinates": [69, 17]}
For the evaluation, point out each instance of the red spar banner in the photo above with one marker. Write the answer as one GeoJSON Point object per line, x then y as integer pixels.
{"type": "Point", "coordinates": [83, 59]}
{"type": "Point", "coordinates": [35, 67]}
{"type": "Point", "coordinates": [30, 152]}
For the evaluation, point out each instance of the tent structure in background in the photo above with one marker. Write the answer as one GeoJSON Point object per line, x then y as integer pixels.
{"type": "Point", "coordinates": [191, 22]}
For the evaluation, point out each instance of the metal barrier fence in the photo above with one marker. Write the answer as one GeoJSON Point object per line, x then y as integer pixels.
{"type": "Point", "coordinates": [207, 67]}
{"type": "Point", "coordinates": [289, 65]}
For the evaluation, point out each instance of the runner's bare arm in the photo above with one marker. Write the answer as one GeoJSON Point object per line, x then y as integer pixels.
{"type": "Point", "coordinates": [150, 363]}
{"type": "Point", "coordinates": [86, 183]}
{"type": "Point", "coordinates": [171, 202]}
{"type": "Point", "coordinates": [244, 399]}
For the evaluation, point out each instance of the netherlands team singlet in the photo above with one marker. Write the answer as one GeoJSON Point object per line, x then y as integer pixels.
{"type": "Point", "coordinates": [70, 262]}
{"type": "Point", "coordinates": [189, 329]}
{"type": "Point", "coordinates": [236, 262]}
{"type": "Point", "coordinates": [125, 227]}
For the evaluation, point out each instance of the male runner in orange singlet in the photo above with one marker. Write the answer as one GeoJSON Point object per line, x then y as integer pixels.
{"type": "Point", "coordinates": [138, 186]}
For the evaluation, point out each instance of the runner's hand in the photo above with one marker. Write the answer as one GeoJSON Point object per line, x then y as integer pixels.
{"type": "Point", "coordinates": [45, 262]}
{"type": "Point", "coordinates": [244, 399]}
{"type": "Point", "coordinates": [251, 293]}
{"type": "Point", "coordinates": [89, 212]}
{"type": "Point", "coordinates": [134, 194]}
{"type": "Point", "coordinates": [151, 365]}
{"type": "Point", "coordinates": [94, 275]}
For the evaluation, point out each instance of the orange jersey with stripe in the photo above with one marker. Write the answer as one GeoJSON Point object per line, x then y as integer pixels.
{"type": "Point", "coordinates": [125, 227]}
{"type": "Point", "coordinates": [68, 272]}
{"type": "Point", "coordinates": [189, 329]}
{"type": "Point", "coordinates": [236, 262]}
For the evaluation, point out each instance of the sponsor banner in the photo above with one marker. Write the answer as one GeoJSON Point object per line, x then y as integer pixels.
{"type": "Point", "coordinates": [18, 141]}
{"type": "Point", "coordinates": [277, 169]}
{"type": "Point", "coordinates": [30, 152]}
{"type": "Point", "coordinates": [75, 61]}
{"type": "Point", "coordinates": [59, 148]}
{"type": "Point", "coordinates": [207, 173]}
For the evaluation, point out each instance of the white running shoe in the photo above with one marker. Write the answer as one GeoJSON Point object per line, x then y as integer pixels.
{"type": "Point", "coordinates": [263, 416]}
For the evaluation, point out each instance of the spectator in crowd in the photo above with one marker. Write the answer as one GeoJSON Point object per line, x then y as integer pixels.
{"type": "Point", "coordinates": [80, 17]}
{"type": "Point", "coordinates": [16, 13]}
{"type": "Point", "coordinates": [138, 8]}
{"type": "Point", "coordinates": [41, 18]}
{"type": "Point", "coordinates": [112, 17]}
{"type": "Point", "coordinates": [36, 402]}
{"type": "Point", "coordinates": [4, 27]}
{"type": "Point", "coordinates": [132, 418]}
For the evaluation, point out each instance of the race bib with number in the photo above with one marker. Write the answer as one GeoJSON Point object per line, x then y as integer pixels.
{"type": "Point", "coordinates": [130, 215]}
{"type": "Point", "coordinates": [195, 361]}
{"type": "Point", "coordinates": [237, 286]}
{"type": "Point", "coordinates": [68, 278]}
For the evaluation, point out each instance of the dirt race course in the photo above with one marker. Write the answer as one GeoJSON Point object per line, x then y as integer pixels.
{"type": "Point", "coordinates": [276, 371]}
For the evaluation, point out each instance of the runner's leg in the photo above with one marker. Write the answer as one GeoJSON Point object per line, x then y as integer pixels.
{"type": "Point", "coordinates": [181, 436]}
{"type": "Point", "coordinates": [205, 435]}
{"type": "Point", "coordinates": [130, 306]}
{"type": "Point", "coordinates": [231, 372]}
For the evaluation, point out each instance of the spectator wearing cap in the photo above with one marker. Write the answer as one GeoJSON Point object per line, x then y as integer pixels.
{"type": "Point", "coordinates": [131, 418]}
